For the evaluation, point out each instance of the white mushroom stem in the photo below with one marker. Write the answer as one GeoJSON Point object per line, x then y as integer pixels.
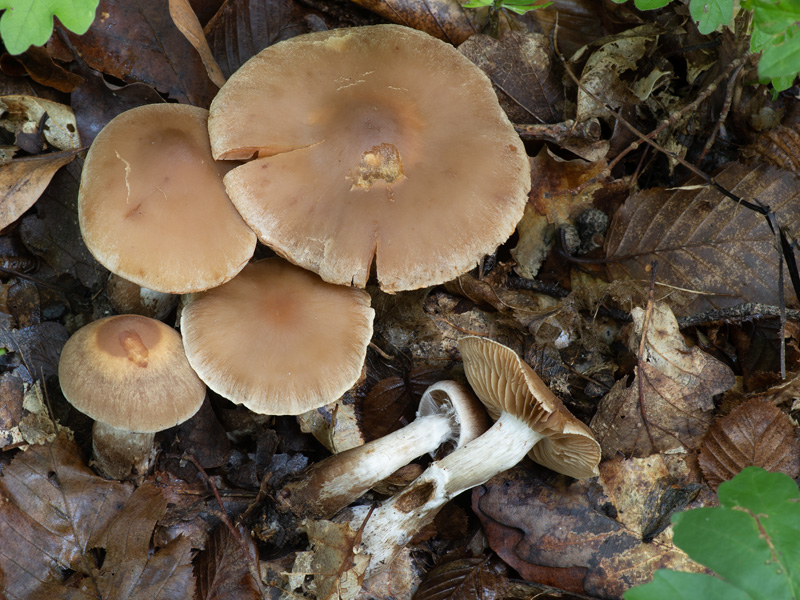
{"type": "Point", "coordinates": [391, 526]}
{"type": "Point", "coordinates": [119, 453]}
{"type": "Point", "coordinates": [335, 482]}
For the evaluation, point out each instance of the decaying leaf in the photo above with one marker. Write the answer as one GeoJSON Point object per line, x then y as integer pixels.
{"type": "Point", "coordinates": [337, 570]}
{"type": "Point", "coordinates": [753, 434]}
{"type": "Point", "coordinates": [23, 115]}
{"type": "Point", "coordinates": [567, 536]}
{"type": "Point", "coordinates": [23, 180]}
{"type": "Point", "coordinates": [223, 568]}
{"type": "Point", "coordinates": [242, 28]}
{"type": "Point", "coordinates": [678, 384]}
{"type": "Point", "coordinates": [477, 578]}
{"type": "Point", "coordinates": [39, 346]}
{"type": "Point", "coordinates": [444, 19]}
{"type": "Point", "coordinates": [523, 73]}
{"type": "Point", "coordinates": [55, 513]}
{"type": "Point", "coordinates": [706, 243]}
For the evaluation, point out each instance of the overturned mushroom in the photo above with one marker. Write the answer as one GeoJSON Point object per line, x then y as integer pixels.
{"type": "Point", "coordinates": [530, 419]}
{"type": "Point", "coordinates": [448, 414]}
{"type": "Point", "coordinates": [371, 143]}
{"type": "Point", "coordinates": [129, 373]}
{"type": "Point", "coordinates": [277, 338]}
{"type": "Point", "coordinates": [152, 206]}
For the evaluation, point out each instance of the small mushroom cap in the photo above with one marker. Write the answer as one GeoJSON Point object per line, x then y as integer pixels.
{"type": "Point", "coordinates": [371, 143]}
{"type": "Point", "coordinates": [467, 413]}
{"type": "Point", "coordinates": [152, 205]}
{"type": "Point", "coordinates": [130, 372]}
{"type": "Point", "coordinates": [506, 383]}
{"type": "Point", "coordinates": [278, 339]}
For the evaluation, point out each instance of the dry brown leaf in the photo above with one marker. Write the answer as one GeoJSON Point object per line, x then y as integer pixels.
{"type": "Point", "coordinates": [39, 346]}
{"type": "Point", "coordinates": [56, 512]}
{"type": "Point", "coordinates": [223, 568]}
{"type": "Point", "coordinates": [23, 114]}
{"type": "Point", "coordinates": [465, 579]}
{"type": "Point", "coordinates": [755, 433]}
{"type": "Point", "coordinates": [707, 243]}
{"type": "Point", "coordinates": [186, 21]}
{"type": "Point", "coordinates": [444, 19]}
{"type": "Point", "coordinates": [523, 73]}
{"type": "Point", "coordinates": [678, 383]}
{"type": "Point", "coordinates": [567, 536]}
{"type": "Point", "coordinates": [40, 66]}
{"type": "Point", "coordinates": [23, 180]}
{"type": "Point", "coordinates": [242, 28]}
{"type": "Point", "coordinates": [138, 42]}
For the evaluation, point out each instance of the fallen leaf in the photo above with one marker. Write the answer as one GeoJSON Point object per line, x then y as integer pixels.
{"type": "Point", "coordinates": [186, 21]}
{"type": "Point", "coordinates": [444, 19]}
{"type": "Point", "coordinates": [138, 42]}
{"type": "Point", "coordinates": [223, 568]}
{"type": "Point", "coordinates": [242, 28]}
{"type": "Point", "coordinates": [478, 578]}
{"type": "Point", "coordinates": [38, 63]}
{"type": "Point", "coordinates": [39, 346]}
{"type": "Point", "coordinates": [706, 243]}
{"type": "Point", "coordinates": [564, 535]}
{"type": "Point", "coordinates": [23, 180]}
{"type": "Point", "coordinates": [23, 114]}
{"type": "Point", "coordinates": [523, 73]}
{"type": "Point", "coordinates": [678, 384]}
{"type": "Point", "coordinates": [755, 433]}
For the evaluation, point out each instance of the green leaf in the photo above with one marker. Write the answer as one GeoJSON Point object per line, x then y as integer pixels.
{"type": "Point", "coordinates": [650, 4]}
{"type": "Point", "coordinates": [751, 541]}
{"type": "Point", "coordinates": [674, 585]}
{"type": "Point", "coordinates": [782, 60]}
{"type": "Point", "coordinates": [30, 22]}
{"type": "Point", "coordinates": [773, 16]}
{"type": "Point", "coordinates": [711, 14]}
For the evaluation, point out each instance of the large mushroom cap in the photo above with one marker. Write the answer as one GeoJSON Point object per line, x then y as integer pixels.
{"type": "Point", "coordinates": [370, 143]}
{"type": "Point", "coordinates": [152, 205]}
{"type": "Point", "coordinates": [278, 339]}
{"type": "Point", "coordinates": [130, 372]}
{"type": "Point", "coordinates": [506, 383]}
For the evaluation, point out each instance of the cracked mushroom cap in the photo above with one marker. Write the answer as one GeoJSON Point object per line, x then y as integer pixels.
{"type": "Point", "coordinates": [130, 372]}
{"type": "Point", "coordinates": [367, 144]}
{"type": "Point", "coordinates": [152, 205]}
{"type": "Point", "coordinates": [278, 339]}
{"type": "Point", "coordinates": [506, 383]}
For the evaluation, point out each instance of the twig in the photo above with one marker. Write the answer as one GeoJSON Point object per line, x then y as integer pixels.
{"type": "Point", "coordinates": [740, 312]}
{"type": "Point", "coordinates": [723, 115]}
{"type": "Point", "coordinates": [640, 355]}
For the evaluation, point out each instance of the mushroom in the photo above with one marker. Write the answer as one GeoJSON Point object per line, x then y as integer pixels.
{"type": "Point", "coordinates": [371, 143]}
{"type": "Point", "coordinates": [127, 297]}
{"type": "Point", "coordinates": [152, 206]}
{"type": "Point", "coordinates": [130, 374]}
{"type": "Point", "coordinates": [530, 419]}
{"type": "Point", "coordinates": [448, 415]}
{"type": "Point", "coordinates": [277, 338]}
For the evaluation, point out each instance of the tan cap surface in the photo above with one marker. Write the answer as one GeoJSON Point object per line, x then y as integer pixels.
{"type": "Point", "coordinates": [278, 339]}
{"type": "Point", "coordinates": [376, 142]}
{"type": "Point", "coordinates": [505, 383]}
{"type": "Point", "coordinates": [152, 205]}
{"type": "Point", "coordinates": [130, 372]}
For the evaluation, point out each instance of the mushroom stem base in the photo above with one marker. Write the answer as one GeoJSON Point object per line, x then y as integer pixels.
{"type": "Point", "coordinates": [119, 454]}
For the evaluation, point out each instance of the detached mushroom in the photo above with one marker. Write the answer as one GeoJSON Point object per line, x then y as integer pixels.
{"type": "Point", "coordinates": [152, 206]}
{"type": "Point", "coordinates": [448, 414]}
{"type": "Point", "coordinates": [530, 418]}
{"type": "Point", "coordinates": [371, 143]}
{"type": "Point", "coordinates": [277, 338]}
{"type": "Point", "coordinates": [130, 374]}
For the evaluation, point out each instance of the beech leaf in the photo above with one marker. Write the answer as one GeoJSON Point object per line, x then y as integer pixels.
{"type": "Point", "coordinates": [753, 434]}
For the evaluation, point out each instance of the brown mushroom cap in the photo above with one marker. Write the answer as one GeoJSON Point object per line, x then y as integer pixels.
{"type": "Point", "coordinates": [506, 383]}
{"type": "Point", "coordinates": [376, 142]}
{"type": "Point", "coordinates": [278, 339]}
{"type": "Point", "coordinates": [130, 372]}
{"type": "Point", "coordinates": [152, 205]}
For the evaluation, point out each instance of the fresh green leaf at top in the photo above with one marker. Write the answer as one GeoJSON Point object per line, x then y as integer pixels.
{"type": "Point", "coordinates": [647, 4]}
{"type": "Point", "coordinates": [773, 16]}
{"type": "Point", "coordinates": [30, 22]}
{"type": "Point", "coordinates": [751, 541]}
{"type": "Point", "coordinates": [711, 14]}
{"type": "Point", "coordinates": [518, 6]}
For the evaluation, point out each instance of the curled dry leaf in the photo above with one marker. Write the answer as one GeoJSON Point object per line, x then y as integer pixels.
{"type": "Point", "coordinates": [186, 21]}
{"type": "Point", "coordinates": [755, 433]}
{"type": "Point", "coordinates": [566, 536]}
{"type": "Point", "coordinates": [707, 243]}
{"type": "Point", "coordinates": [523, 73]}
{"type": "Point", "coordinates": [23, 114]}
{"type": "Point", "coordinates": [678, 385]}
{"type": "Point", "coordinates": [444, 19]}
{"type": "Point", "coordinates": [243, 28]}
{"type": "Point", "coordinates": [23, 180]}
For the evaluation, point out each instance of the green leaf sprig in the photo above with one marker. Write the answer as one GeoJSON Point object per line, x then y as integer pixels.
{"type": "Point", "coordinates": [28, 23]}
